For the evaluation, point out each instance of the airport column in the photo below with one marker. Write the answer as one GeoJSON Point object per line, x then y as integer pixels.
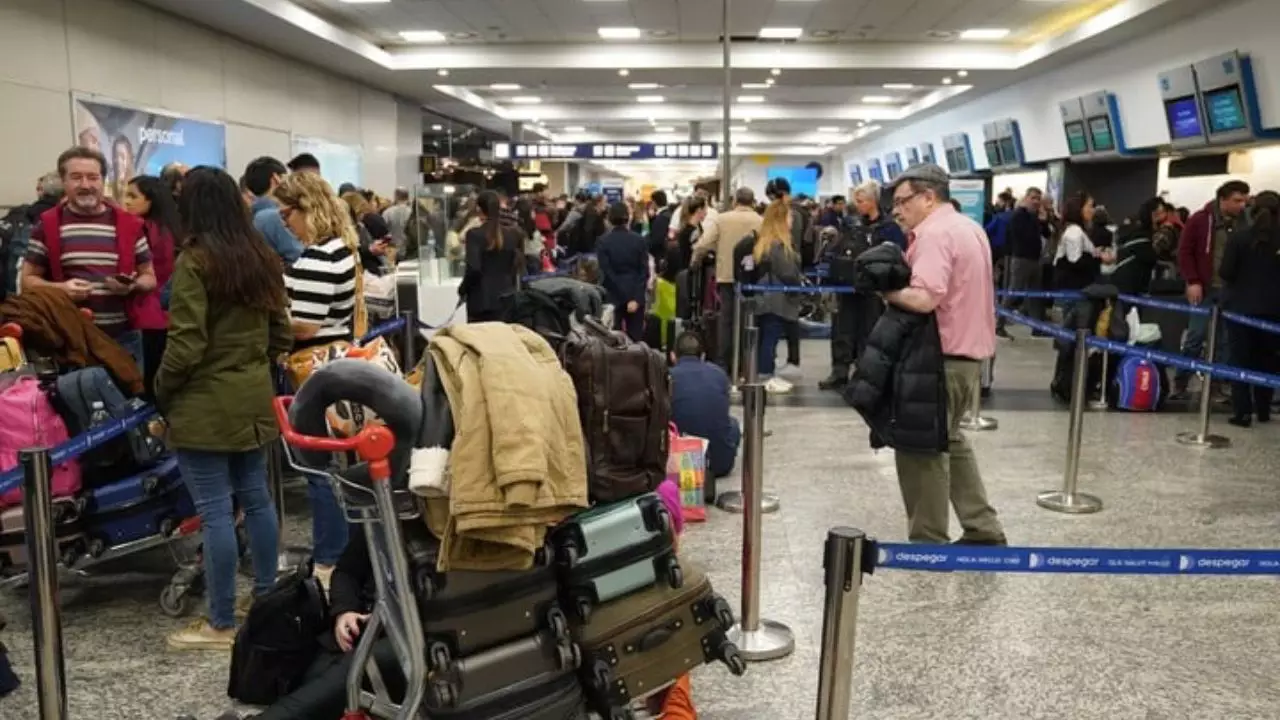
{"type": "Point", "coordinates": [695, 131]}
{"type": "Point", "coordinates": [726, 111]}
{"type": "Point", "coordinates": [517, 132]}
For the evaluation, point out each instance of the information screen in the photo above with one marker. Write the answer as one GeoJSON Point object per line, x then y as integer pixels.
{"type": "Point", "coordinates": [993, 153]}
{"type": "Point", "coordinates": [803, 180]}
{"type": "Point", "coordinates": [1224, 109]}
{"type": "Point", "coordinates": [957, 160]}
{"type": "Point", "coordinates": [1077, 143]}
{"type": "Point", "coordinates": [1009, 151]}
{"type": "Point", "coordinates": [1183, 115]}
{"type": "Point", "coordinates": [1100, 132]}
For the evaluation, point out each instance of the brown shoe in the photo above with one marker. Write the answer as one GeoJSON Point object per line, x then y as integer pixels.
{"type": "Point", "coordinates": [200, 635]}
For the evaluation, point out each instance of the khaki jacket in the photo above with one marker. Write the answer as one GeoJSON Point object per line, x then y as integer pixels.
{"type": "Point", "coordinates": [518, 461]}
{"type": "Point", "coordinates": [721, 235]}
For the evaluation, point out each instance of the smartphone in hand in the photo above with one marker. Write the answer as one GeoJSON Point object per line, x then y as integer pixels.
{"type": "Point", "coordinates": [124, 279]}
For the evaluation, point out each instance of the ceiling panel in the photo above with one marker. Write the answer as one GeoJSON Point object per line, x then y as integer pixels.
{"type": "Point", "coordinates": [923, 16]}
{"type": "Point", "coordinates": [526, 21]}
{"type": "Point", "coordinates": [655, 14]}
{"type": "Point", "coordinates": [479, 16]}
{"type": "Point", "coordinates": [878, 15]}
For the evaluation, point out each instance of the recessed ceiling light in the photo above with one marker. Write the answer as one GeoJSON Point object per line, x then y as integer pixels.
{"type": "Point", "coordinates": [423, 36]}
{"type": "Point", "coordinates": [897, 86]}
{"type": "Point", "coordinates": [526, 99]}
{"type": "Point", "coordinates": [737, 128]}
{"type": "Point", "coordinates": [664, 129]}
{"type": "Point", "coordinates": [504, 86]}
{"type": "Point", "coordinates": [781, 33]}
{"type": "Point", "coordinates": [650, 99]}
{"type": "Point", "coordinates": [746, 120]}
{"type": "Point", "coordinates": [660, 33]}
{"type": "Point", "coordinates": [533, 119]}
{"type": "Point", "coordinates": [437, 128]}
{"type": "Point", "coordinates": [946, 81]}
{"type": "Point", "coordinates": [757, 86]}
{"type": "Point", "coordinates": [877, 99]}
{"type": "Point", "coordinates": [462, 35]}
{"type": "Point", "coordinates": [776, 71]}
{"type": "Point", "coordinates": [364, 2]}
{"type": "Point", "coordinates": [984, 33]}
{"type": "Point", "coordinates": [619, 33]}
{"type": "Point", "coordinates": [624, 72]}
{"type": "Point", "coordinates": [828, 129]}
{"type": "Point", "coordinates": [962, 73]}
{"type": "Point", "coordinates": [644, 86]}
{"type": "Point", "coordinates": [574, 129]}
{"type": "Point", "coordinates": [823, 34]}
{"type": "Point", "coordinates": [750, 98]}
{"type": "Point", "coordinates": [769, 82]}
{"type": "Point", "coordinates": [442, 72]}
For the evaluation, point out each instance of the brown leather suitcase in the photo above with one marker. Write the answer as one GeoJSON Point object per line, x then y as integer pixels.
{"type": "Point", "coordinates": [481, 684]}
{"type": "Point", "coordinates": [641, 643]}
{"type": "Point", "coordinates": [624, 402]}
{"type": "Point", "coordinates": [68, 527]}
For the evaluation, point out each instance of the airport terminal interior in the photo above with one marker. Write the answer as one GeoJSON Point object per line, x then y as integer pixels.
{"type": "Point", "coordinates": [994, 282]}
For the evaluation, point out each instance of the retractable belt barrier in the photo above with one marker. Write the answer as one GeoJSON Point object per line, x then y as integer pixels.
{"type": "Point", "coordinates": [798, 289]}
{"type": "Point", "coordinates": [94, 437]}
{"type": "Point", "coordinates": [1114, 561]}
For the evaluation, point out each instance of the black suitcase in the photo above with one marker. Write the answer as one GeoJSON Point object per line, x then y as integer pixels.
{"type": "Point", "coordinates": [490, 683]}
{"type": "Point", "coordinates": [560, 699]}
{"type": "Point", "coordinates": [466, 612]}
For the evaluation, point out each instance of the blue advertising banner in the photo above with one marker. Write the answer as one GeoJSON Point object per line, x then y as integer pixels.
{"type": "Point", "coordinates": [338, 163]}
{"type": "Point", "coordinates": [136, 141]}
{"type": "Point", "coordinates": [972, 196]}
{"type": "Point", "coordinates": [606, 151]}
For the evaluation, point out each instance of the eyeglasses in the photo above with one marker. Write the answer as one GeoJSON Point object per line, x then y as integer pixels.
{"type": "Point", "coordinates": [900, 201]}
{"type": "Point", "coordinates": [285, 212]}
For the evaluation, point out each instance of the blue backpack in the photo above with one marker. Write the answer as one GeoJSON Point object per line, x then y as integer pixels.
{"type": "Point", "coordinates": [1139, 385]}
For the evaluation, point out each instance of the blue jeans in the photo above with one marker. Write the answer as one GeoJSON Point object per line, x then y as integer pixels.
{"type": "Point", "coordinates": [329, 529]}
{"type": "Point", "coordinates": [212, 478]}
{"type": "Point", "coordinates": [772, 329]}
{"type": "Point", "coordinates": [131, 341]}
{"type": "Point", "coordinates": [1197, 335]}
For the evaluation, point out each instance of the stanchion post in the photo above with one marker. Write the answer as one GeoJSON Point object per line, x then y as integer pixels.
{"type": "Point", "coordinates": [842, 562]}
{"type": "Point", "coordinates": [1101, 402]}
{"type": "Point", "coordinates": [408, 337]}
{"type": "Point", "coordinates": [974, 421]}
{"type": "Point", "coordinates": [1067, 500]}
{"type": "Point", "coordinates": [753, 433]}
{"type": "Point", "coordinates": [735, 361]}
{"type": "Point", "coordinates": [1203, 438]}
{"type": "Point", "coordinates": [42, 573]}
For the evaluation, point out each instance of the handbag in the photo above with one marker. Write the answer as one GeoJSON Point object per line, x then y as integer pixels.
{"type": "Point", "coordinates": [301, 363]}
{"type": "Point", "coordinates": [279, 639]}
{"type": "Point", "coordinates": [687, 467]}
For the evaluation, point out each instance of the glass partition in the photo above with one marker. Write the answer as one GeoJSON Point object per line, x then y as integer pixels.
{"type": "Point", "coordinates": [432, 242]}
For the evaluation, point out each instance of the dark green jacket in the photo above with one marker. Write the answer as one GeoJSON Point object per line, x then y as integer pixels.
{"type": "Point", "coordinates": [214, 386]}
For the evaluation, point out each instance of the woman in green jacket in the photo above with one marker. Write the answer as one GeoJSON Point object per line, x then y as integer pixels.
{"type": "Point", "coordinates": [227, 324]}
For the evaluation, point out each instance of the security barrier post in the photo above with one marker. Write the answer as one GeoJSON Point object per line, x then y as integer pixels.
{"type": "Point", "coordinates": [973, 420]}
{"type": "Point", "coordinates": [42, 573]}
{"type": "Point", "coordinates": [408, 356]}
{"type": "Point", "coordinates": [753, 434]}
{"type": "Point", "coordinates": [735, 361]}
{"type": "Point", "coordinates": [1203, 438]}
{"type": "Point", "coordinates": [1101, 402]}
{"type": "Point", "coordinates": [842, 561]}
{"type": "Point", "coordinates": [1067, 500]}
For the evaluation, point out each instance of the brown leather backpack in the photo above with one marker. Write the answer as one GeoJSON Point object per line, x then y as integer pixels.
{"type": "Point", "coordinates": [624, 402]}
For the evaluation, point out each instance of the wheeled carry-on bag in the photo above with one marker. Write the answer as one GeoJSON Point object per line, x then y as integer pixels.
{"type": "Point", "coordinates": [68, 527]}
{"type": "Point", "coordinates": [642, 643]}
{"type": "Point", "coordinates": [613, 550]}
{"type": "Point", "coordinates": [560, 699]}
{"type": "Point", "coordinates": [501, 679]}
{"type": "Point", "coordinates": [153, 502]}
{"type": "Point", "coordinates": [466, 612]}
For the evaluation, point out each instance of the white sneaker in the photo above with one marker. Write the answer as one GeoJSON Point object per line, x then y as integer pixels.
{"type": "Point", "coordinates": [791, 372]}
{"type": "Point", "coordinates": [777, 386]}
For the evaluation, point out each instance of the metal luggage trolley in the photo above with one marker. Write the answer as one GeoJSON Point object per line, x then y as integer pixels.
{"type": "Point", "coordinates": [377, 509]}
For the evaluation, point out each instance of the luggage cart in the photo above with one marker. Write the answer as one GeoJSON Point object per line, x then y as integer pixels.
{"type": "Point", "coordinates": [378, 510]}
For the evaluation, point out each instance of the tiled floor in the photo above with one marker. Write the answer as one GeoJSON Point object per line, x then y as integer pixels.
{"type": "Point", "coordinates": [930, 646]}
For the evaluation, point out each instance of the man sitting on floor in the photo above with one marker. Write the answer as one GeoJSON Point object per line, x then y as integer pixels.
{"type": "Point", "coordinates": [700, 404]}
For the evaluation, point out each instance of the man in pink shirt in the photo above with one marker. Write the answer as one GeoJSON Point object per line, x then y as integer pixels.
{"type": "Point", "coordinates": [950, 261]}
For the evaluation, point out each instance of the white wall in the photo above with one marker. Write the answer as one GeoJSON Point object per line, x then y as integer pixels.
{"type": "Point", "coordinates": [1260, 167]}
{"type": "Point", "coordinates": [127, 52]}
{"type": "Point", "coordinates": [1129, 71]}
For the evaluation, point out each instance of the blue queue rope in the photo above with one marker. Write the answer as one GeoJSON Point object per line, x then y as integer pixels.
{"type": "Point", "coordinates": [1143, 301]}
{"type": "Point", "coordinates": [798, 289]}
{"type": "Point", "coordinates": [1252, 322]}
{"type": "Point", "coordinates": [92, 438]}
{"type": "Point", "coordinates": [1109, 561]}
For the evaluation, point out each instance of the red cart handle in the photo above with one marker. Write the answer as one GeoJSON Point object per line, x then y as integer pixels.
{"type": "Point", "coordinates": [11, 330]}
{"type": "Point", "coordinates": [373, 443]}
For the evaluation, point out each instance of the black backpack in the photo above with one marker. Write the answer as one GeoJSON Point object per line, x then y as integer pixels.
{"type": "Point", "coordinates": [279, 639]}
{"type": "Point", "coordinates": [539, 312]}
{"type": "Point", "coordinates": [849, 244]}
{"type": "Point", "coordinates": [746, 271]}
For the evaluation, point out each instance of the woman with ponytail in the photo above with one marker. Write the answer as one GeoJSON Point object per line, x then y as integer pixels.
{"type": "Point", "coordinates": [494, 261]}
{"type": "Point", "coordinates": [1250, 271]}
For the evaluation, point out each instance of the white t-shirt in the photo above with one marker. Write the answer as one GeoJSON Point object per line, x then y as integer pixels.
{"type": "Point", "coordinates": [1073, 244]}
{"type": "Point", "coordinates": [676, 223]}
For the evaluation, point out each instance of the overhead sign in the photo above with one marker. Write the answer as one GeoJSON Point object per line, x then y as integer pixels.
{"type": "Point", "coordinates": [606, 151]}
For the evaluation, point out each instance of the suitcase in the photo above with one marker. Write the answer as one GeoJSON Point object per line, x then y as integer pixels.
{"type": "Point", "coordinates": [642, 643]}
{"type": "Point", "coordinates": [466, 612]}
{"type": "Point", "coordinates": [624, 404]}
{"type": "Point", "coordinates": [150, 503]}
{"type": "Point", "coordinates": [561, 699]}
{"type": "Point", "coordinates": [613, 550]}
{"type": "Point", "coordinates": [68, 528]}
{"type": "Point", "coordinates": [486, 684]}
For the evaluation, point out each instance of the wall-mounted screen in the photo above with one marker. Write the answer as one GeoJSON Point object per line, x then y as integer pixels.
{"type": "Point", "coordinates": [957, 160]}
{"type": "Point", "coordinates": [993, 153]}
{"type": "Point", "coordinates": [1183, 115]}
{"type": "Point", "coordinates": [1077, 143]}
{"type": "Point", "coordinates": [1100, 133]}
{"type": "Point", "coordinates": [804, 180]}
{"type": "Point", "coordinates": [1224, 109]}
{"type": "Point", "coordinates": [1009, 151]}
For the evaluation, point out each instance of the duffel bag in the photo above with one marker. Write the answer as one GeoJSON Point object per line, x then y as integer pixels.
{"type": "Point", "coordinates": [89, 397]}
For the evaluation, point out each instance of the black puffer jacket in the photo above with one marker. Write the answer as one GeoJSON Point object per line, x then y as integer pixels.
{"type": "Point", "coordinates": [899, 387]}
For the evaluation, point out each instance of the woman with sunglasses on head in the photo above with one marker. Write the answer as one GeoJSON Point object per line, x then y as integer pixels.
{"type": "Point", "coordinates": [325, 286]}
{"type": "Point", "coordinates": [150, 199]}
{"type": "Point", "coordinates": [227, 322]}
